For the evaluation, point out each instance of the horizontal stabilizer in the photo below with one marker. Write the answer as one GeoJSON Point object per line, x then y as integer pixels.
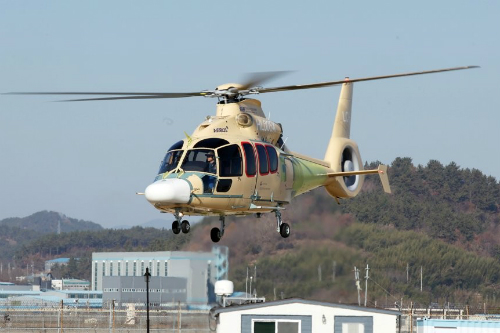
{"type": "Point", "coordinates": [381, 170]}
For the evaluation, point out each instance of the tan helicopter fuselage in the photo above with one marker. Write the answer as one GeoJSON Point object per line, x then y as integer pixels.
{"type": "Point", "coordinates": [255, 172]}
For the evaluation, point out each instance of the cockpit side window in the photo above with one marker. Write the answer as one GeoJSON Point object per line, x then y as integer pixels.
{"type": "Point", "coordinates": [170, 161]}
{"type": "Point", "coordinates": [200, 160]}
{"type": "Point", "coordinates": [230, 162]}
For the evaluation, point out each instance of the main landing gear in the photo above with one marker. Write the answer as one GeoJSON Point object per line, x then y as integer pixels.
{"type": "Point", "coordinates": [178, 226]}
{"type": "Point", "coordinates": [282, 228]}
{"type": "Point", "coordinates": [216, 233]}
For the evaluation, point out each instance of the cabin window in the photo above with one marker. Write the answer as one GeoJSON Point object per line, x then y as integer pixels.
{"type": "Point", "coordinates": [273, 159]}
{"type": "Point", "coordinates": [170, 161]}
{"type": "Point", "coordinates": [251, 166]}
{"type": "Point", "coordinates": [230, 162]}
{"type": "Point", "coordinates": [200, 160]}
{"type": "Point", "coordinates": [263, 162]}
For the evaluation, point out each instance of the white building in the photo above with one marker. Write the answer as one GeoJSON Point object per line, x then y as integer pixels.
{"type": "Point", "coordinates": [70, 284]}
{"type": "Point", "coordinates": [200, 269]}
{"type": "Point", "coordinates": [302, 316]}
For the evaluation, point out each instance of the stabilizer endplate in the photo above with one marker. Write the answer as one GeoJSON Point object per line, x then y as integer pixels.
{"type": "Point", "coordinates": [381, 171]}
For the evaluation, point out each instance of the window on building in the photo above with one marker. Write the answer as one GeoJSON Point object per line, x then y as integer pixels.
{"type": "Point", "coordinates": [135, 269]}
{"type": "Point", "coordinates": [110, 268]}
{"type": "Point", "coordinates": [103, 268]}
{"type": "Point", "coordinates": [278, 326]}
{"type": "Point", "coordinates": [95, 276]}
{"type": "Point", "coordinates": [142, 268]}
{"type": "Point", "coordinates": [157, 268]}
{"type": "Point", "coordinates": [126, 268]}
{"type": "Point", "coordinates": [353, 328]}
{"type": "Point", "coordinates": [119, 268]}
{"type": "Point", "coordinates": [166, 268]}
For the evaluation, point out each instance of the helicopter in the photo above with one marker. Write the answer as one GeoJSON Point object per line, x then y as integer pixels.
{"type": "Point", "coordinates": [236, 162]}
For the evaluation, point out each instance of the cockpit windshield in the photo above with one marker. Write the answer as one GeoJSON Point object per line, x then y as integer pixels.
{"type": "Point", "coordinates": [170, 161]}
{"type": "Point", "coordinates": [201, 160]}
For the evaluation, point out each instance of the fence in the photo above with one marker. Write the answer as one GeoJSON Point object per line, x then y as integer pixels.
{"type": "Point", "coordinates": [130, 320]}
{"type": "Point", "coordinates": [101, 321]}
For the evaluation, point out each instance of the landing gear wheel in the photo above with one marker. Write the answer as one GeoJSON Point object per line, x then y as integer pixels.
{"type": "Point", "coordinates": [175, 227]}
{"type": "Point", "coordinates": [185, 226]}
{"type": "Point", "coordinates": [215, 235]}
{"type": "Point", "coordinates": [284, 230]}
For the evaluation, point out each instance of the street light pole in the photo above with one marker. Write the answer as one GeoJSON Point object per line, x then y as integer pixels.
{"type": "Point", "coordinates": [147, 278]}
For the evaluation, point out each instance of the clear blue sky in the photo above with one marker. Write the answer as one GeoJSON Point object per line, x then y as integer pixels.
{"type": "Point", "coordinates": [87, 160]}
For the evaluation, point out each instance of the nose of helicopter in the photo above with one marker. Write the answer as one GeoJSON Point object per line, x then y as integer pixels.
{"type": "Point", "coordinates": [168, 191]}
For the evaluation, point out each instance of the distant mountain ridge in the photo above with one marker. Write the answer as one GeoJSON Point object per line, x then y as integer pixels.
{"type": "Point", "coordinates": [46, 222]}
{"type": "Point", "coordinates": [16, 232]}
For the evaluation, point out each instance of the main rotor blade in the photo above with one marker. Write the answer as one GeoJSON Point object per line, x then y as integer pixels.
{"type": "Point", "coordinates": [333, 83]}
{"type": "Point", "coordinates": [255, 79]}
{"type": "Point", "coordinates": [124, 95]}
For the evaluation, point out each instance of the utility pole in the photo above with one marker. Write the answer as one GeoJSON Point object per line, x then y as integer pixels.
{"type": "Point", "coordinates": [421, 277]}
{"type": "Point", "coordinates": [366, 282]}
{"type": "Point", "coordinates": [358, 287]}
{"type": "Point", "coordinates": [319, 273]}
{"type": "Point", "coordinates": [147, 278]}
{"type": "Point", "coordinates": [407, 269]}
{"type": "Point", "coordinates": [246, 285]}
{"type": "Point", "coordinates": [334, 269]}
{"type": "Point", "coordinates": [251, 278]}
{"type": "Point", "coordinates": [255, 281]}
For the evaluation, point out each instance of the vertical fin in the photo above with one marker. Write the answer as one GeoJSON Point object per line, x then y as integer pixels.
{"type": "Point", "coordinates": [342, 125]}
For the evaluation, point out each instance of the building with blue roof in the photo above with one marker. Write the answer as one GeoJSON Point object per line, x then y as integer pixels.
{"type": "Point", "coordinates": [457, 326]}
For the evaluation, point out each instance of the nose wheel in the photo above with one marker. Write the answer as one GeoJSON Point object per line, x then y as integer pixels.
{"type": "Point", "coordinates": [178, 226]}
{"type": "Point", "coordinates": [216, 233]}
{"type": "Point", "coordinates": [176, 229]}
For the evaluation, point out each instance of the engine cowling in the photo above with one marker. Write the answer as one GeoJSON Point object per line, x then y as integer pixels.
{"type": "Point", "coordinates": [345, 157]}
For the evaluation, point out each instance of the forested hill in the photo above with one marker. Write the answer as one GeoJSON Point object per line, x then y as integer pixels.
{"type": "Point", "coordinates": [458, 206]}
{"type": "Point", "coordinates": [16, 231]}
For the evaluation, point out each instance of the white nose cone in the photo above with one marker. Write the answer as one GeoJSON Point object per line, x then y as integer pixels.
{"type": "Point", "coordinates": [168, 191]}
